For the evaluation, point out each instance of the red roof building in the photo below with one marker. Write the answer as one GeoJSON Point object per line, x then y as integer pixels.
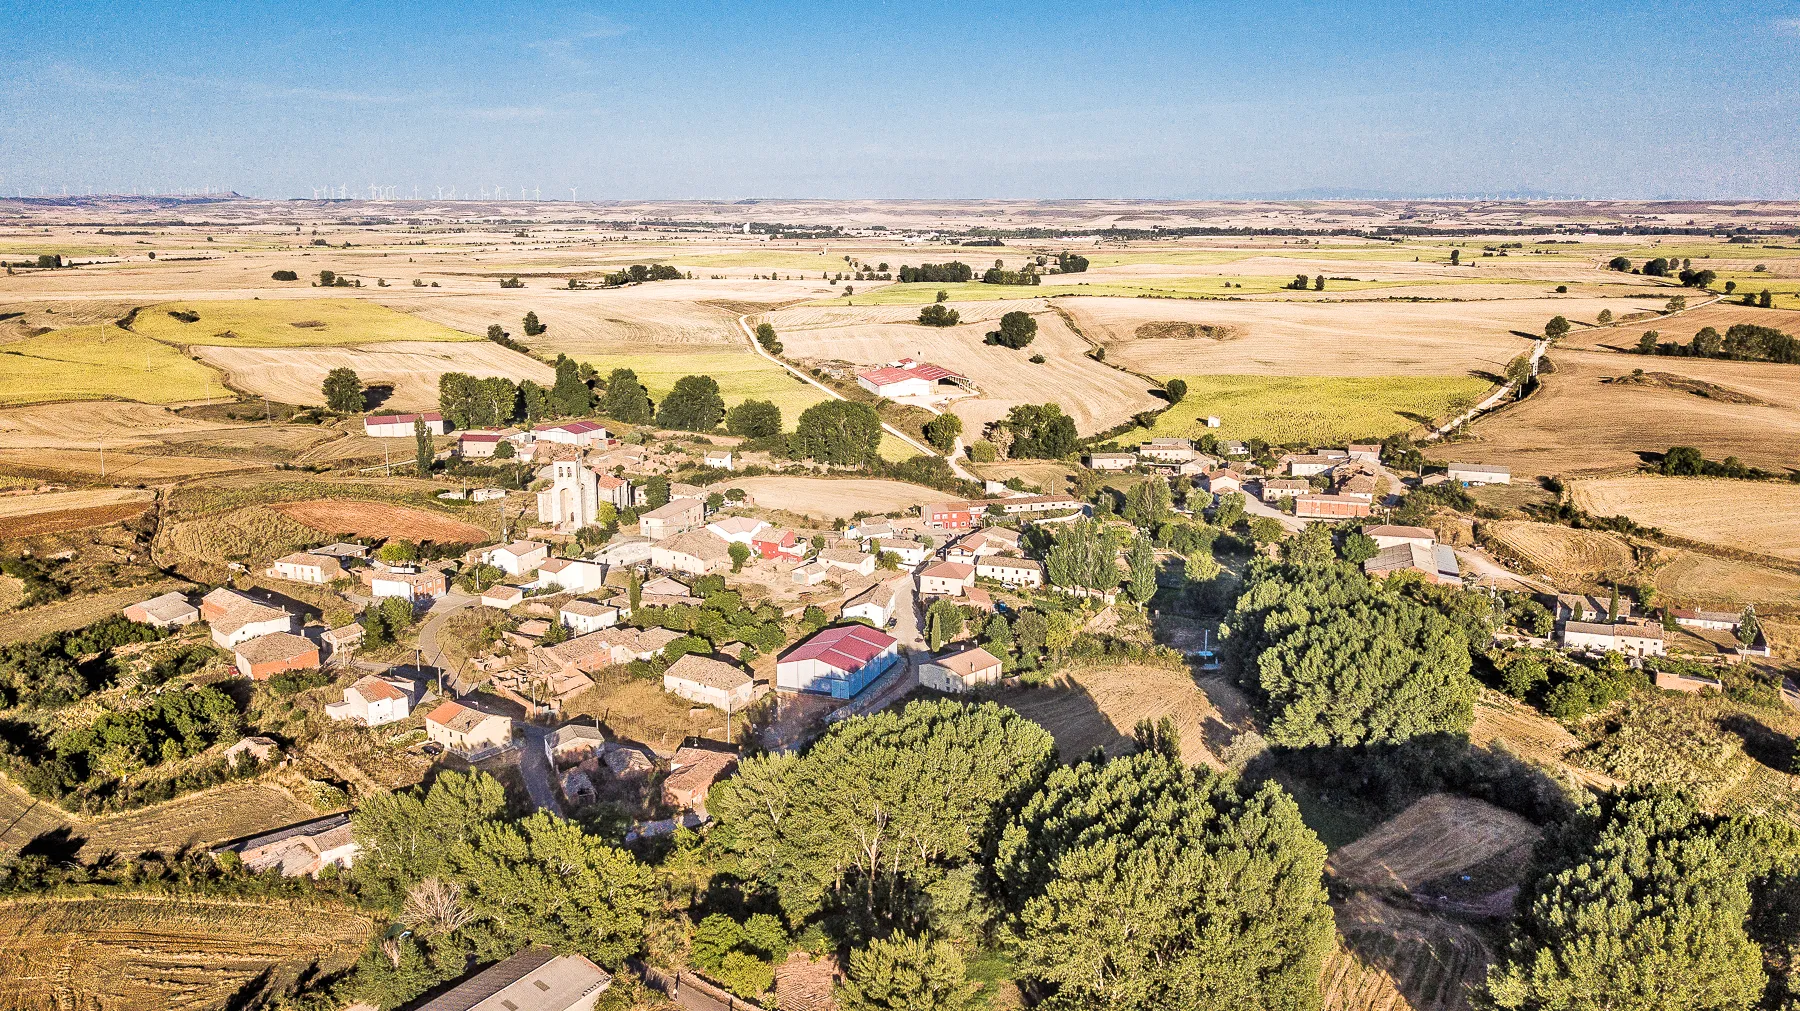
{"type": "Point", "coordinates": [839, 661]}
{"type": "Point", "coordinates": [907, 378]}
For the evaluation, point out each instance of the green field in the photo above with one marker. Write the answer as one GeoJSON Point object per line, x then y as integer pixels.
{"type": "Point", "coordinates": [271, 323]}
{"type": "Point", "coordinates": [741, 376]}
{"type": "Point", "coordinates": [1783, 288]}
{"type": "Point", "coordinates": [1149, 287]}
{"type": "Point", "coordinates": [19, 250]}
{"type": "Point", "coordinates": [1310, 410]}
{"type": "Point", "coordinates": [101, 362]}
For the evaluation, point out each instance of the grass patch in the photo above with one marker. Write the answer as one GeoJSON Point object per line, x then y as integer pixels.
{"type": "Point", "coordinates": [101, 362]}
{"type": "Point", "coordinates": [1309, 409]}
{"type": "Point", "coordinates": [741, 376]}
{"type": "Point", "coordinates": [312, 322]}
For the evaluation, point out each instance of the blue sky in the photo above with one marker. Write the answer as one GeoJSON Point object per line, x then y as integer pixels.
{"type": "Point", "coordinates": [772, 99]}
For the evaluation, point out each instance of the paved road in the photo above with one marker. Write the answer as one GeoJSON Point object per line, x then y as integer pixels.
{"type": "Point", "coordinates": [440, 612]}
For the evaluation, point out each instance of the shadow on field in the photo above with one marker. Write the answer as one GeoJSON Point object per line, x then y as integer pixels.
{"type": "Point", "coordinates": [1761, 742]}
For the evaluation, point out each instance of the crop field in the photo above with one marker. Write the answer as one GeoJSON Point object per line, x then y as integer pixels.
{"type": "Point", "coordinates": [295, 375]}
{"type": "Point", "coordinates": [379, 519]}
{"type": "Point", "coordinates": [1681, 328]}
{"type": "Point", "coordinates": [1391, 959]}
{"type": "Point", "coordinates": [115, 466]}
{"type": "Point", "coordinates": [1098, 708]}
{"type": "Point", "coordinates": [741, 374]}
{"type": "Point", "coordinates": [288, 323]}
{"type": "Point", "coordinates": [151, 952]}
{"type": "Point", "coordinates": [1755, 516]}
{"type": "Point", "coordinates": [120, 423]}
{"type": "Point", "coordinates": [74, 613]}
{"type": "Point", "coordinates": [921, 293]}
{"type": "Point", "coordinates": [1438, 836]}
{"type": "Point", "coordinates": [1312, 409]}
{"type": "Point", "coordinates": [1693, 578]}
{"type": "Point", "coordinates": [204, 818]}
{"type": "Point", "coordinates": [30, 515]}
{"type": "Point", "coordinates": [1565, 554]}
{"type": "Point", "coordinates": [829, 498]}
{"type": "Point", "coordinates": [99, 362]}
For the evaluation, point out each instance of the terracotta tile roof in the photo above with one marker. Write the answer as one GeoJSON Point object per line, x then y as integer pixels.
{"type": "Point", "coordinates": [374, 689]}
{"type": "Point", "coordinates": [275, 646]}
{"type": "Point", "coordinates": [968, 662]}
{"type": "Point", "coordinates": [704, 670]}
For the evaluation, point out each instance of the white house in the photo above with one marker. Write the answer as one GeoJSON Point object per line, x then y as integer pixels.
{"type": "Point", "coordinates": [517, 558]}
{"type": "Point", "coordinates": [736, 529]}
{"type": "Point", "coordinates": [235, 618]}
{"type": "Point", "coordinates": [839, 662]}
{"type": "Point", "coordinates": [584, 616]}
{"type": "Point", "coordinates": [373, 701]}
{"type": "Point", "coordinates": [676, 516]}
{"type": "Point", "coordinates": [467, 732]}
{"type": "Point", "coordinates": [400, 426]}
{"type": "Point", "coordinates": [909, 552]}
{"type": "Point", "coordinates": [303, 567]}
{"type": "Point", "coordinates": [1167, 450]}
{"type": "Point", "coordinates": [1636, 640]}
{"type": "Point", "coordinates": [1309, 464]}
{"type": "Point", "coordinates": [1722, 621]}
{"type": "Point", "coordinates": [947, 579]}
{"type": "Point", "coordinates": [1111, 461]}
{"type": "Point", "coordinates": [1387, 535]}
{"type": "Point", "coordinates": [959, 672]}
{"type": "Point", "coordinates": [696, 553]}
{"type": "Point", "coordinates": [875, 604]}
{"type": "Point", "coordinates": [405, 585]}
{"type": "Point", "coordinates": [709, 682]}
{"type": "Point", "coordinates": [848, 559]}
{"type": "Point", "coordinates": [719, 459]}
{"type": "Point", "coordinates": [1478, 474]}
{"type": "Point", "coordinates": [571, 433]}
{"type": "Point", "coordinates": [1011, 571]}
{"type": "Point", "coordinates": [571, 575]}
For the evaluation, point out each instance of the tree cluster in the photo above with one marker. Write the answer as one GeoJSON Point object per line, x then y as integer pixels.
{"type": "Point", "coordinates": [1017, 329]}
{"type": "Point", "coordinates": [56, 669]}
{"type": "Point", "coordinates": [938, 314]}
{"type": "Point", "coordinates": [1041, 432]}
{"type": "Point", "coordinates": [693, 405]}
{"type": "Point", "coordinates": [1071, 263]}
{"type": "Point", "coordinates": [937, 273]}
{"type": "Point", "coordinates": [841, 433]}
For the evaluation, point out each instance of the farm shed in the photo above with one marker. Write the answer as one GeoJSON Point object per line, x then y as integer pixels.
{"type": "Point", "coordinates": [692, 772]}
{"type": "Point", "coordinates": [536, 979]}
{"type": "Point", "coordinates": [170, 609]}
{"type": "Point", "coordinates": [909, 378]}
{"type": "Point", "coordinates": [839, 662]}
{"type": "Point", "coordinates": [304, 848]}
{"type": "Point", "coordinates": [373, 701]}
{"type": "Point", "coordinates": [268, 655]}
{"type": "Point", "coordinates": [400, 426]}
{"type": "Point", "coordinates": [1478, 474]}
{"type": "Point", "coordinates": [959, 672]}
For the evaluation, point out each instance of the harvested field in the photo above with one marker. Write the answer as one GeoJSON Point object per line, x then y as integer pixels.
{"type": "Point", "coordinates": [59, 425]}
{"type": "Point", "coordinates": [57, 464]}
{"type": "Point", "coordinates": [357, 518]}
{"type": "Point", "coordinates": [828, 498]}
{"type": "Point", "coordinates": [30, 515]}
{"type": "Point", "coordinates": [294, 375]}
{"type": "Point", "coordinates": [154, 952]}
{"type": "Point", "coordinates": [1681, 328]}
{"type": "Point", "coordinates": [195, 819]}
{"type": "Point", "coordinates": [287, 323]}
{"type": "Point", "coordinates": [1755, 516]}
{"type": "Point", "coordinates": [1311, 409]}
{"type": "Point", "coordinates": [78, 611]}
{"type": "Point", "coordinates": [1565, 554]}
{"type": "Point", "coordinates": [1390, 959]}
{"type": "Point", "coordinates": [1696, 579]}
{"type": "Point", "coordinates": [741, 376]}
{"type": "Point", "coordinates": [1098, 707]}
{"type": "Point", "coordinates": [100, 362]}
{"type": "Point", "coordinates": [1438, 836]}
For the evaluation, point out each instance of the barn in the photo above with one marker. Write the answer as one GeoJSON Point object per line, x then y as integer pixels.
{"type": "Point", "coordinates": [839, 662]}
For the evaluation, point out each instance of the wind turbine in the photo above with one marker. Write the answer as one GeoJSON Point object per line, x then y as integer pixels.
{"type": "Point", "coordinates": [571, 194]}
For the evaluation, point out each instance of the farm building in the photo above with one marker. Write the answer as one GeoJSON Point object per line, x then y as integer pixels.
{"type": "Point", "coordinates": [1367, 452]}
{"type": "Point", "coordinates": [1330, 507]}
{"type": "Point", "coordinates": [400, 426]}
{"type": "Point", "coordinates": [268, 655]}
{"type": "Point", "coordinates": [306, 848]}
{"type": "Point", "coordinates": [1111, 461]}
{"type": "Point", "coordinates": [811, 574]}
{"type": "Point", "coordinates": [982, 543]}
{"type": "Point", "coordinates": [571, 575]}
{"type": "Point", "coordinates": [1435, 564]}
{"type": "Point", "coordinates": [909, 378]}
{"type": "Point", "coordinates": [709, 682]}
{"type": "Point", "coordinates": [260, 748]}
{"type": "Point", "coordinates": [574, 742]}
{"type": "Point", "coordinates": [875, 604]}
{"type": "Point", "coordinates": [1362, 486]}
{"type": "Point", "coordinates": [502, 596]}
{"type": "Point", "coordinates": [584, 616]}
{"type": "Point", "coordinates": [959, 672]}
{"type": "Point", "coordinates": [1723, 621]}
{"type": "Point", "coordinates": [736, 529]}
{"type": "Point", "coordinates": [571, 433]}
{"type": "Point", "coordinates": [849, 560]}
{"type": "Point", "coordinates": [373, 701]}
{"type": "Point", "coordinates": [1308, 464]}
{"type": "Point", "coordinates": [839, 662]}
{"type": "Point", "coordinates": [341, 642]}
{"type": "Point", "coordinates": [1587, 607]}
{"type": "Point", "coordinates": [676, 516]}
{"type": "Point", "coordinates": [467, 732]}
{"type": "Point", "coordinates": [692, 773]}
{"type": "Point", "coordinates": [170, 609]}
{"type": "Point", "coordinates": [870, 530]}
{"type": "Point", "coordinates": [1274, 489]}
{"type": "Point", "coordinates": [1386, 535]}
{"type": "Point", "coordinates": [664, 586]}
{"type": "Point", "coordinates": [1478, 474]}
{"type": "Point", "coordinates": [718, 459]}
{"type": "Point", "coordinates": [517, 558]}
{"type": "Point", "coordinates": [343, 550]}
{"type": "Point", "coordinates": [536, 979]}
{"type": "Point", "coordinates": [695, 552]}
{"type": "Point", "coordinates": [305, 567]}
{"type": "Point", "coordinates": [1167, 450]}
{"type": "Point", "coordinates": [947, 579]}
{"type": "Point", "coordinates": [235, 618]}
{"type": "Point", "coordinates": [1632, 639]}
{"type": "Point", "coordinates": [1219, 482]}
{"type": "Point", "coordinates": [477, 445]}
{"type": "Point", "coordinates": [426, 585]}
{"type": "Point", "coordinates": [1011, 571]}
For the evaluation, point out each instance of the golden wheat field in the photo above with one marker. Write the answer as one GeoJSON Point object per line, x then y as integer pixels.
{"type": "Point", "coordinates": [282, 323]}
{"type": "Point", "coordinates": [1566, 554]}
{"type": "Point", "coordinates": [295, 375]}
{"type": "Point", "coordinates": [1757, 516]}
{"type": "Point", "coordinates": [1099, 707]}
{"type": "Point", "coordinates": [831, 498]}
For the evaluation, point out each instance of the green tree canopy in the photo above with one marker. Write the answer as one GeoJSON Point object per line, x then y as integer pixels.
{"type": "Point", "coordinates": [938, 314]}
{"type": "Point", "coordinates": [908, 974]}
{"type": "Point", "coordinates": [532, 326]}
{"type": "Point", "coordinates": [839, 432]}
{"type": "Point", "coordinates": [754, 419]}
{"type": "Point", "coordinates": [1557, 328]}
{"type": "Point", "coordinates": [343, 391]}
{"type": "Point", "coordinates": [942, 432]}
{"type": "Point", "coordinates": [625, 398]}
{"type": "Point", "coordinates": [693, 405]}
{"type": "Point", "coordinates": [1017, 329]}
{"type": "Point", "coordinates": [1176, 389]}
{"type": "Point", "coordinates": [1083, 556]}
{"type": "Point", "coordinates": [570, 397]}
{"type": "Point", "coordinates": [1042, 432]}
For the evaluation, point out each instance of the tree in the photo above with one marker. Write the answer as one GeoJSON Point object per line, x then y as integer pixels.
{"type": "Point", "coordinates": [1683, 461]}
{"type": "Point", "coordinates": [1041, 432]}
{"type": "Point", "coordinates": [740, 553]}
{"type": "Point", "coordinates": [343, 391]}
{"type": "Point", "coordinates": [1266, 530]}
{"type": "Point", "coordinates": [1620, 263]}
{"type": "Point", "coordinates": [1748, 627]}
{"type": "Point", "coordinates": [1707, 343]}
{"type": "Point", "coordinates": [1175, 390]}
{"type": "Point", "coordinates": [534, 401]}
{"type": "Point", "coordinates": [1557, 328]}
{"type": "Point", "coordinates": [326, 278]}
{"type": "Point", "coordinates": [1657, 267]}
{"type": "Point", "coordinates": [1139, 883]}
{"type": "Point", "coordinates": [838, 432]}
{"type": "Point", "coordinates": [943, 622]}
{"type": "Point", "coordinates": [1518, 373]}
{"type": "Point", "coordinates": [1612, 605]}
{"type": "Point", "coordinates": [656, 492]}
{"type": "Point", "coordinates": [1319, 283]}
{"type": "Point", "coordinates": [1358, 548]}
{"type": "Point", "coordinates": [531, 325]}
{"type": "Point", "coordinates": [1676, 304]}
{"type": "Point", "coordinates": [1647, 343]}
{"type": "Point", "coordinates": [422, 442]}
{"type": "Point", "coordinates": [938, 314]}
{"type": "Point", "coordinates": [1082, 557]}
{"type": "Point", "coordinates": [1455, 257]}
{"type": "Point", "coordinates": [625, 398]}
{"type": "Point", "coordinates": [908, 974]}
{"type": "Point", "coordinates": [1605, 316]}
{"type": "Point", "coordinates": [765, 335]}
{"type": "Point", "coordinates": [1147, 503]}
{"type": "Point", "coordinates": [569, 396]}
{"type": "Point", "coordinates": [496, 332]}
{"type": "Point", "coordinates": [405, 837]}
{"type": "Point", "coordinates": [942, 431]}
{"type": "Point", "coordinates": [754, 419]}
{"type": "Point", "coordinates": [1017, 329]}
{"type": "Point", "coordinates": [997, 636]}
{"type": "Point", "coordinates": [1229, 511]}
{"type": "Point", "coordinates": [1141, 562]}
{"type": "Point", "coordinates": [693, 405]}
{"type": "Point", "coordinates": [1765, 300]}
{"type": "Point", "coordinates": [285, 275]}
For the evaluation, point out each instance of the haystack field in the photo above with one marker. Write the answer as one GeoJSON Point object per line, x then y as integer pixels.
{"type": "Point", "coordinates": [357, 518]}
{"type": "Point", "coordinates": [295, 375]}
{"type": "Point", "coordinates": [1438, 836]}
{"type": "Point", "coordinates": [829, 499]}
{"type": "Point", "coordinates": [1565, 554]}
{"type": "Point", "coordinates": [1099, 707]}
{"type": "Point", "coordinates": [1755, 516]}
{"type": "Point", "coordinates": [1096, 396]}
{"type": "Point", "coordinates": [53, 512]}
{"type": "Point", "coordinates": [1392, 959]}
{"type": "Point", "coordinates": [285, 323]}
{"type": "Point", "coordinates": [155, 952]}
{"type": "Point", "coordinates": [100, 362]}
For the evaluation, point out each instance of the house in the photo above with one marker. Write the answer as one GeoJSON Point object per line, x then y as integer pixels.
{"type": "Point", "coordinates": [577, 492]}
{"type": "Point", "coordinates": [1167, 450]}
{"type": "Point", "coordinates": [692, 772]}
{"type": "Point", "coordinates": [1011, 571]}
{"type": "Point", "coordinates": [477, 445]}
{"type": "Point", "coordinates": [1219, 482]}
{"type": "Point", "coordinates": [341, 642]}
{"type": "Point", "coordinates": [1111, 461]}
{"type": "Point", "coordinates": [426, 585]}
{"type": "Point", "coordinates": [811, 574]}
{"type": "Point", "coordinates": [709, 682]}
{"type": "Point", "coordinates": [772, 543]}
{"type": "Point", "coordinates": [1632, 639]}
{"type": "Point", "coordinates": [234, 617]}
{"type": "Point", "coordinates": [906, 550]}
{"type": "Point", "coordinates": [947, 579]}
{"type": "Point", "coordinates": [304, 848]}
{"type": "Point", "coordinates": [736, 529]}
{"type": "Point", "coordinates": [565, 666]}
{"type": "Point", "coordinates": [663, 586]}
{"type": "Point", "coordinates": [1200, 464]}
{"type": "Point", "coordinates": [982, 543]}
{"type": "Point", "coordinates": [1367, 452]}
{"type": "Point", "coordinates": [584, 616]}
{"type": "Point", "coordinates": [570, 433]}
{"type": "Point", "coordinates": [1274, 489]}
{"type": "Point", "coordinates": [959, 672]}
{"type": "Point", "coordinates": [695, 552]}
{"type": "Point", "coordinates": [470, 733]}
{"type": "Point", "coordinates": [676, 516]}
{"type": "Point", "coordinates": [1386, 535]}
{"type": "Point", "coordinates": [875, 604]}
{"type": "Point", "coordinates": [839, 661]}
{"type": "Point", "coordinates": [871, 530]}
{"type": "Point", "coordinates": [908, 378]}
{"type": "Point", "coordinates": [571, 575]}
{"type": "Point", "coordinates": [344, 550]}
{"type": "Point", "coordinates": [1330, 507]}
{"type": "Point", "coordinates": [572, 743]}
{"type": "Point", "coordinates": [1234, 448]}
{"type": "Point", "coordinates": [718, 459]}
{"type": "Point", "coordinates": [577, 788]}
{"type": "Point", "coordinates": [848, 559]}
{"type": "Point", "coordinates": [1478, 474]}
{"type": "Point", "coordinates": [1362, 486]}
{"type": "Point", "coordinates": [950, 515]}
{"type": "Point", "coordinates": [681, 489]}
{"type": "Point", "coordinates": [517, 558]}
{"type": "Point", "coordinates": [171, 609]}
{"type": "Point", "coordinates": [1436, 564]}
{"type": "Point", "coordinates": [373, 701]}
{"type": "Point", "coordinates": [627, 761]}
{"type": "Point", "coordinates": [502, 596]}
{"type": "Point", "coordinates": [1308, 464]}
{"type": "Point", "coordinates": [306, 567]}
{"type": "Point", "coordinates": [487, 494]}
{"type": "Point", "coordinates": [400, 426]}
{"type": "Point", "coordinates": [1586, 607]}
{"type": "Point", "coordinates": [1723, 621]}
{"type": "Point", "coordinates": [267, 655]}
{"type": "Point", "coordinates": [536, 979]}
{"type": "Point", "coordinates": [1030, 505]}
